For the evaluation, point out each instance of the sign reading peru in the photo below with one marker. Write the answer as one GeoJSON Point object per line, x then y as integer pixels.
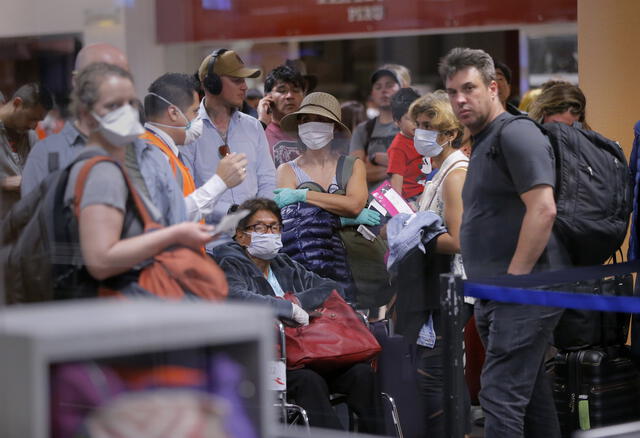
{"type": "Point", "coordinates": [374, 11]}
{"type": "Point", "coordinates": [200, 20]}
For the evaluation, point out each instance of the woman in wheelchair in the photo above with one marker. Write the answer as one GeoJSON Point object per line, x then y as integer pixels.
{"type": "Point", "coordinates": [257, 272]}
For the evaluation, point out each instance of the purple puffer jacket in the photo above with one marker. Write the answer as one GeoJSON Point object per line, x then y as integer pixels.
{"type": "Point", "coordinates": [310, 236]}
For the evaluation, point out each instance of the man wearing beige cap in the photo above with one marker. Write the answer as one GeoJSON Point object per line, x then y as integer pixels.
{"type": "Point", "coordinates": [227, 130]}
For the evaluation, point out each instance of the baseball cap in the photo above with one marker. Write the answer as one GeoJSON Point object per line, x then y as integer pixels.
{"type": "Point", "coordinates": [228, 64]}
{"type": "Point", "coordinates": [385, 72]}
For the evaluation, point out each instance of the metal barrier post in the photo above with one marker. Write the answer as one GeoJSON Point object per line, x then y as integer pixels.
{"type": "Point", "coordinates": [451, 304]}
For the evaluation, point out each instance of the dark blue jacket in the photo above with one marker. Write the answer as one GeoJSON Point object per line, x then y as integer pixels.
{"type": "Point", "coordinates": [310, 236]}
{"type": "Point", "coordinates": [247, 283]}
{"type": "Point", "coordinates": [634, 164]}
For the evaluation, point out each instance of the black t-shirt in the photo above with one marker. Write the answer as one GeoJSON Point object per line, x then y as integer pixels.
{"type": "Point", "coordinates": [493, 210]}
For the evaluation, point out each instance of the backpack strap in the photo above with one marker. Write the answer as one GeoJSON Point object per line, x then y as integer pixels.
{"type": "Point", "coordinates": [148, 222]}
{"type": "Point", "coordinates": [313, 186]}
{"type": "Point", "coordinates": [494, 151]}
{"type": "Point", "coordinates": [368, 130]}
{"type": "Point", "coordinates": [344, 170]}
{"type": "Point", "coordinates": [438, 180]}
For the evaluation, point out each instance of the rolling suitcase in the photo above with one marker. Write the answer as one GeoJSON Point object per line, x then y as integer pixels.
{"type": "Point", "coordinates": [595, 387]}
{"type": "Point", "coordinates": [397, 377]}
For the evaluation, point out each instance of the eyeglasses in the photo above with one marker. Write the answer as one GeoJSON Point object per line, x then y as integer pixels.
{"type": "Point", "coordinates": [224, 150]}
{"type": "Point", "coordinates": [263, 228]}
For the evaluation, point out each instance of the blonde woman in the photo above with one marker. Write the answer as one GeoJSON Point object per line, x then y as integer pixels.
{"type": "Point", "coordinates": [438, 137]}
{"type": "Point", "coordinates": [560, 102]}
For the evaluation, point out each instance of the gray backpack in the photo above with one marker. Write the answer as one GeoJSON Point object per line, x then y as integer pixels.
{"type": "Point", "coordinates": [39, 250]}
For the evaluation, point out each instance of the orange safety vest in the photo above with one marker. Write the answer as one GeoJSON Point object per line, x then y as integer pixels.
{"type": "Point", "coordinates": [180, 171]}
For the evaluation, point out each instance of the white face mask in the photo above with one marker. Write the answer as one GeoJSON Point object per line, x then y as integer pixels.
{"type": "Point", "coordinates": [424, 141]}
{"type": "Point", "coordinates": [315, 135]}
{"type": "Point", "coordinates": [264, 246]}
{"type": "Point", "coordinates": [121, 126]}
{"type": "Point", "coordinates": [193, 129]}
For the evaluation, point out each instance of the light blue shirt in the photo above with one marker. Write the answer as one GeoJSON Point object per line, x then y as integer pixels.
{"type": "Point", "coordinates": [163, 188]}
{"type": "Point", "coordinates": [273, 281]}
{"type": "Point", "coordinates": [245, 135]}
{"type": "Point", "coordinates": [58, 149]}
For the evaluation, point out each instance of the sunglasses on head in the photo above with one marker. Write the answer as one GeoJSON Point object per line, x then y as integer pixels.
{"type": "Point", "coordinates": [224, 150]}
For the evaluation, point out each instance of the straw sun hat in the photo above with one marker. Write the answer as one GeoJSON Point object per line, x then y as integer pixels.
{"type": "Point", "coordinates": [321, 104]}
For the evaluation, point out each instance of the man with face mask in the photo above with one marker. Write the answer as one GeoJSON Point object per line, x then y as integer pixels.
{"type": "Point", "coordinates": [18, 118]}
{"type": "Point", "coordinates": [171, 109]}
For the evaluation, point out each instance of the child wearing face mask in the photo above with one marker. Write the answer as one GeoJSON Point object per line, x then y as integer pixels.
{"type": "Point", "coordinates": [404, 161]}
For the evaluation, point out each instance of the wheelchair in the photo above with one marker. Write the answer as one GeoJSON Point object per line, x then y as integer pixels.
{"type": "Point", "coordinates": [292, 414]}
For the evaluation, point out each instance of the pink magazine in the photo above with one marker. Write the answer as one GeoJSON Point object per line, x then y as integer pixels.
{"type": "Point", "coordinates": [387, 200]}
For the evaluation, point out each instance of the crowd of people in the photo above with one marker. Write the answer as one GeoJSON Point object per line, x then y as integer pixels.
{"type": "Point", "coordinates": [197, 147]}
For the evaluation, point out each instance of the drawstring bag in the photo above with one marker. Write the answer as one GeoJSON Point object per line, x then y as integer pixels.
{"type": "Point", "coordinates": [177, 272]}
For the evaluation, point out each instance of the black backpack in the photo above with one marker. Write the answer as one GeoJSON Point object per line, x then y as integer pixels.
{"type": "Point", "coordinates": [39, 250]}
{"type": "Point", "coordinates": [593, 190]}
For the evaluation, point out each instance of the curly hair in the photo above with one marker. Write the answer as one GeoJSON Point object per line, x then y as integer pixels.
{"type": "Point", "coordinates": [437, 106]}
{"type": "Point", "coordinates": [283, 73]}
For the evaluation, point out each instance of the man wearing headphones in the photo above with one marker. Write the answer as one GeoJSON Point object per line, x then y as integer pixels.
{"type": "Point", "coordinates": [227, 130]}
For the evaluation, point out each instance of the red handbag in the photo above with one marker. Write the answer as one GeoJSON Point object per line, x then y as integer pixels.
{"type": "Point", "coordinates": [335, 337]}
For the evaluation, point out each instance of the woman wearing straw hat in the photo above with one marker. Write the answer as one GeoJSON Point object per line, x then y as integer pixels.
{"type": "Point", "coordinates": [315, 203]}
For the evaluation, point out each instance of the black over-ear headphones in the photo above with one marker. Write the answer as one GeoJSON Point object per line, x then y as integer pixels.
{"type": "Point", "coordinates": [212, 81]}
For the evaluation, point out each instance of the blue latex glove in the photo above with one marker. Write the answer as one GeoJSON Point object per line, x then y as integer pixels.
{"type": "Point", "coordinates": [366, 217]}
{"type": "Point", "coordinates": [289, 196]}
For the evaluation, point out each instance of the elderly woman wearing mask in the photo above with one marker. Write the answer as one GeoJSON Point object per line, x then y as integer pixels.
{"type": "Point", "coordinates": [258, 272]}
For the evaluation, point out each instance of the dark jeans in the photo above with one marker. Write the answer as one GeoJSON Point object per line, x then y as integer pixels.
{"type": "Point", "coordinates": [516, 396]}
{"type": "Point", "coordinates": [311, 391]}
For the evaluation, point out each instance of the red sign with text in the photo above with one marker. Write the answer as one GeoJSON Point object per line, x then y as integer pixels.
{"type": "Point", "coordinates": [198, 20]}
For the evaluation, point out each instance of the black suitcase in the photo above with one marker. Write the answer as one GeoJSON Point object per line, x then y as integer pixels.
{"type": "Point", "coordinates": [580, 329]}
{"type": "Point", "coordinates": [595, 387]}
{"type": "Point", "coordinates": [397, 377]}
